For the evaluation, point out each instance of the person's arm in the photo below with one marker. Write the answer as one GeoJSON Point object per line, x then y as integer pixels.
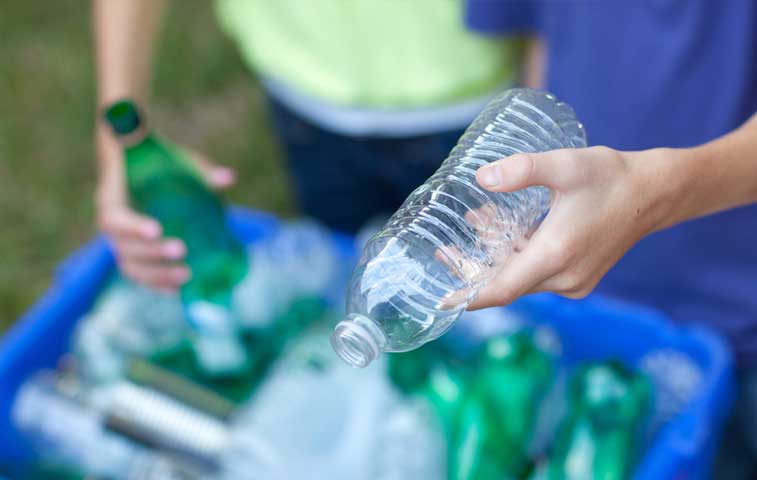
{"type": "Point", "coordinates": [604, 201]}
{"type": "Point", "coordinates": [125, 32]}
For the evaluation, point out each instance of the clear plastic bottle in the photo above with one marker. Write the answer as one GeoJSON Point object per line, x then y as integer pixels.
{"type": "Point", "coordinates": [451, 236]}
{"type": "Point", "coordinates": [297, 261]}
{"type": "Point", "coordinates": [314, 416]}
{"type": "Point", "coordinates": [129, 320]}
{"type": "Point", "coordinates": [410, 443]}
{"type": "Point", "coordinates": [64, 429]}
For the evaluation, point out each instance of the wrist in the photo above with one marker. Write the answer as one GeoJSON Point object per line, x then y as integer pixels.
{"type": "Point", "coordinates": [660, 184]}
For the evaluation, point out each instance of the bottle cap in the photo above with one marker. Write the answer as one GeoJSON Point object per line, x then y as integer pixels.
{"type": "Point", "coordinates": [123, 117]}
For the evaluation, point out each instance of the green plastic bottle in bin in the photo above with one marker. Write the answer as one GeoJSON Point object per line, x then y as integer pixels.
{"type": "Point", "coordinates": [488, 407]}
{"type": "Point", "coordinates": [162, 183]}
{"type": "Point", "coordinates": [599, 439]}
{"type": "Point", "coordinates": [499, 415]}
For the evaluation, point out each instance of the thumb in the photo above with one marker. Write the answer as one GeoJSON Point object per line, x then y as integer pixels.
{"type": "Point", "coordinates": [217, 176]}
{"type": "Point", "coordinates": [554, 169]}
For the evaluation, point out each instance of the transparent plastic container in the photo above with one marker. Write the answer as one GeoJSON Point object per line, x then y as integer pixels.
{"type": "Point", "coordinates": [450, 237]}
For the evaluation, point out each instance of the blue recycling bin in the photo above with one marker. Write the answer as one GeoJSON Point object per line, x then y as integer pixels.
{"type": "Point", "coordinates": [592, 329]}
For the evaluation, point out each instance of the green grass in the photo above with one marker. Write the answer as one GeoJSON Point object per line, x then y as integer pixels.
{"type": "Point", "coordinates": [204, 97]}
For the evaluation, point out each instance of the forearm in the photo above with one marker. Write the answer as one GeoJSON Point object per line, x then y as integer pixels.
{"type": "Point", "coordinates": [124, 32]}
{"type": "Point", "coordinates": [124, 35]}
{"type": "Point", "coordinates": [710, 178]}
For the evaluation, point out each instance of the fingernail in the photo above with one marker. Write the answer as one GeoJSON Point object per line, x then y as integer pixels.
{"type": "Point", "coordinates": [488, 176]}
{"type": "Point", "coordinates": [151, 230]}
{"type": "Point", "coordinates": [223, 175]}
{"type": "Point", "coordinates": [174, 249]}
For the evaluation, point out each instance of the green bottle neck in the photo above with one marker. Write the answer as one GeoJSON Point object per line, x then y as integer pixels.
{"type": "Point", "coordinates": [134, 139]}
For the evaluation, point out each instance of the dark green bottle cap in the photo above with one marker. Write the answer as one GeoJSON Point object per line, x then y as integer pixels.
{"type": "Point", "coordinates": [123, 117]}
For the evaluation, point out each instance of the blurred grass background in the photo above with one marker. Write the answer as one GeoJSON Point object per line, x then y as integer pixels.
{"type": "Point", "coordinates": [203, 96]}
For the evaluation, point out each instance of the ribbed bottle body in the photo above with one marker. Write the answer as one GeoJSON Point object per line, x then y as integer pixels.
{"type": "Point", "coordinates": [451, 236]}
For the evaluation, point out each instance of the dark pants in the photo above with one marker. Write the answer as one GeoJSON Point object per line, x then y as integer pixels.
{"type": "Point", "coordinates": [344, 181]}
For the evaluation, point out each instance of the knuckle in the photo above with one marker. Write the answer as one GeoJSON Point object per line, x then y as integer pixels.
{"type": "Point", "coordinates": [577, 294]}
{"type": "Point", "coordinates": [525, 167]}
{"type": "Point", "coordinates": [569, 283]}
{"type": "Point", "coordinates": [566, 156]}
{"type": "Point", "coordinates": [611, 161]}
{"type": "Point", "coordinates": [601, 150]}
{"type": "Point", "coordinates": [575, 287]}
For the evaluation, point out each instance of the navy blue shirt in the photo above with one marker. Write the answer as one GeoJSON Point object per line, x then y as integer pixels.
{"type": "Point", "coordinates": [652, 73]}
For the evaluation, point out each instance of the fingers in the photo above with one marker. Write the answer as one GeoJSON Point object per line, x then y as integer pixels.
{"type": "Point", "coordinates": [141, 253]}
{"type": "Point", "coordinates": [165, 277]}
{"type": "Point", "coordinates": [218, 177]}
{"type": "Point", "coordinates": [153, 262]}
{"type": "Point", "coordinates": [170, 250]}
{"type": "Point", "coordinates": [527, 271]}
{"type": "Point", "coordinates": [519, 277]}
{"type": "Point", "coordinates": [555, 169]}
{"type": "Point", "coordinates": [122, 222]}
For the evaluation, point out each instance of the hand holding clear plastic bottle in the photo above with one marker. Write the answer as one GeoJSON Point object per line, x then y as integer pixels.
{"type": "Point", "coordinates": [451, 237]}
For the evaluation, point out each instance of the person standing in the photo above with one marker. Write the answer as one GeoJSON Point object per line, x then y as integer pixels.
{"type": "Point", "coordinates": [367, 98]}
{"type": "Point", "coordinates": [660, 210]}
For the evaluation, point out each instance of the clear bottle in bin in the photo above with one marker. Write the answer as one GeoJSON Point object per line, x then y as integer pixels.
{"type": "Point", "coordinates": [129, 320]}
{"type": "Point", "coordinates": [297, 260]}
{"type": "Point", "coordinates": [67, 431]}
{"type": "Point", "coordinates": [315, 417]}
{"type": "Point", "coordinates": [451, 236]}
{"type": "Point", "coordinates": [411, 443]}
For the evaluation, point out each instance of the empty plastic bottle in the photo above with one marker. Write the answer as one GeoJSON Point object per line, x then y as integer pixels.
{"type": "Point", "coordinates": [298, 260]}
{"type": "Point", "coordinates": [676, 379]}
{"type": "Point", "coordinates": [498, 417]}
{"type": "Point", "coordinates": [65, 430]}
{"type": "Point", "coordinates": [410, 443]}
{"type": "Point", "coordinates": [128, 320]}
{"type": "Point", "coordinates": [163, 184]}
{"type": "Point", "coordinates": [599, 438]}
{"type": "Point", "coordinates": [317, 417]}
{"type": "Point", "coordinates": [451, 236]}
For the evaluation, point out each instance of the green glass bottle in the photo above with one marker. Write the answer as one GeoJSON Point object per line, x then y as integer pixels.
{"type": "Point", "coordinates": [501, 410]}
{"type": "Point", "coordinates": [599, 438]}
{"type": "Point", "coordinates": [162, 183]}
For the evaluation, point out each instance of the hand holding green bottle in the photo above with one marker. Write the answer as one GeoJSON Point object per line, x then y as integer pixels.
{"type": "Point", "coordinates": [165, 184]}
{"type": "Point", "coordinates": [143, 253]}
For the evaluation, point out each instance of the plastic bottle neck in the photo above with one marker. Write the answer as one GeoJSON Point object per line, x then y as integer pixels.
{"type": "Point", "coordinates": [358, 340]}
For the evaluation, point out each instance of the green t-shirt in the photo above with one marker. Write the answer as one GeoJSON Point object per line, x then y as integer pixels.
{"type": "Point", "coordinates": [369, 53]}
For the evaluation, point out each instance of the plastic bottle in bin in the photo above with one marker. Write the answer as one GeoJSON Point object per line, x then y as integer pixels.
{"type": "Point", "coordinates": [317, 417]}
{"type": "Point", "coordinates": [500, 412]}
{"type": "Point", "coordinates": [68, 433]}
{"type": "Point", "coordinates": [599, 439]}
{"type": "Point", "coordinates": [410, 444]}
{"type": "Point", "coordinates": [296, 261]}
{"type": "Point", "coordinates": [451, 236]}
{"type": "Point", "coordinates": [129, 320]}
{"type": "Point", "coordinates": [163, 184]}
